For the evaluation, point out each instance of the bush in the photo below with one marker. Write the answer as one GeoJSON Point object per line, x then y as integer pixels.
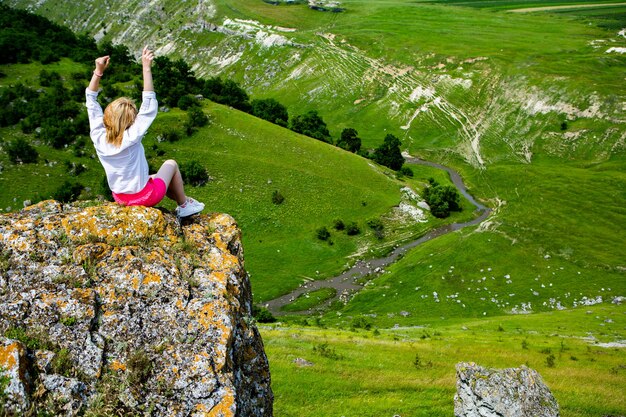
{"type": "Point", "coordinates": [187, 101]}
{"type": "Point", "coordinates": [277, 197]}
{"type": "Point", "coordinates": [352, 229]}
{"type": "Point", "coordinates": [262, 314]}
{"type": "Point", "coordinates": [195, 118]}
{"type": "Point", "coordinates": [322, 233]}
{"type": "Point", "coordinates": [406, 171]}
{"type": "Point", "coordinates": [194, 173]}
{"type": "Point", "coordinates": [21, 151]}
{"type": "Point", "coordinates": [46, 79]}
{"type": "Point", "coordinates": [339, 224]}
{"type": "Point", "coordinates": [171, 136]}
{"type": "Point", "coordinates": [68, 191]}
{"type": "Point", "coordinates": [378, 227]}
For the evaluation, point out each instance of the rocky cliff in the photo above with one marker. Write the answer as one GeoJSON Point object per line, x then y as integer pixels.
{"type": "Point", "coordinates": [110, 310]}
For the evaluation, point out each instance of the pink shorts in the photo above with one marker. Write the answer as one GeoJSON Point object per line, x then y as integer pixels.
{"type": "Point", "coordinates": [151, 195]}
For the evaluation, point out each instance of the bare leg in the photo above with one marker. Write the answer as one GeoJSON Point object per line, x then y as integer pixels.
{"type": "Point", "coordinates": [170, 174]}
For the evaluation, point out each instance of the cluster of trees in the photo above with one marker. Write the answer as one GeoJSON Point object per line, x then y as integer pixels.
{"type": "Point", "coordinates": [442, 199]}
{"type": "Point", "coordinates": [26, 36]}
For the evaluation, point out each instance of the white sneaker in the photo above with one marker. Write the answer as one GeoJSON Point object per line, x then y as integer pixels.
{"type": "Point", "coordinates": [190, 208]}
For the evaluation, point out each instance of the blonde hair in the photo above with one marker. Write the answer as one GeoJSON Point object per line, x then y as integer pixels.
{"type": "Point", "coordinates": [119, 115]}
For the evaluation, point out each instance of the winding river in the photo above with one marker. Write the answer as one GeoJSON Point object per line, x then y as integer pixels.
{"type": "Point", "coordinates": [347, 282]}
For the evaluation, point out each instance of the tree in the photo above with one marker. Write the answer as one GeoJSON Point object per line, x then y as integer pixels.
{"type": "Point", "coordinates": [270, 110]}
{"type": "Point", "coordinates": [442, 199]}
{"type": "Point", "coordinates": [226, 92]}
{"type": "Point", "coordinates": [350, 140]}
{"type": "Point", "coordinates": [173, 79]}
{"type": "Point", "coordinates": [311, 124]}
{"type": "Point", "coordinates": [388, 153]}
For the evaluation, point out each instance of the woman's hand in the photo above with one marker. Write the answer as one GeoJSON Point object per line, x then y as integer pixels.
{"type": "Point", "coordinates": [102, 63]}
{"type": "Point", "coordinates": [147, 56]}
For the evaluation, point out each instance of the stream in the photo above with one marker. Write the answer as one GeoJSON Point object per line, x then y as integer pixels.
{"type": "Point", "coordinates": [347, 283]}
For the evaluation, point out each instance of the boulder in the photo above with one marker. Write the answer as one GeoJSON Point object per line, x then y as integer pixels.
{"type": "Point", "coordinates": [512, 392]}
{"type": "Point", "coordinates": [123, 309]}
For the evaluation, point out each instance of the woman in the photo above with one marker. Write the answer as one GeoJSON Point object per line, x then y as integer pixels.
{"type": "Point", "coordinates": [117, 134]}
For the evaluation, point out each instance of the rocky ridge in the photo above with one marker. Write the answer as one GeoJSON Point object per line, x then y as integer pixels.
{"type": "Point", "coordinates": [105, 307]}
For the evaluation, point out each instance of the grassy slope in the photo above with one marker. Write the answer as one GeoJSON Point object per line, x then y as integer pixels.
{"type": "Point", "coordinates": [375, 374]}
{"type": "Point", "coordinates": [249, 159]}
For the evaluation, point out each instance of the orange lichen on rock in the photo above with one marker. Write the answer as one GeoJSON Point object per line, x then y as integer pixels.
{"type": "Point", "coordinates": [226, 406]}
{"type": "Point", "coordinates": [9, 355]}
{"type": "Point", "coordinates": [117, 366]}
{"type": "Point", "coordinates": [114, 224]}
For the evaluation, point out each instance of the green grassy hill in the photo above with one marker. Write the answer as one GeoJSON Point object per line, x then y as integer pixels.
{"type": "Point", "coordinates": [528, 107]}
{"type": "Point", "coordinates": [248, 160]}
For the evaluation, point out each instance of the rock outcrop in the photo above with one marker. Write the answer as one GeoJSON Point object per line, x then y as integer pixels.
{"type": "Point", "coordinates": [123, 310]}
{"type": "Point", "coordinates": [512, 392]}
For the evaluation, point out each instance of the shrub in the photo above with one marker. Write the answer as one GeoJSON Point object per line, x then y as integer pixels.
{"type": "Point", "coordinates": [339, 224]}
{"type": "Point", "coordinates": [68, 191]}
{"type": "Point", "coordinates": [21, 151]}
{"type": "Point", "coordinates": [406, 171]}
{"type": "Point", "coordinates": [195, 118]}
{"type": "Point", "coordinates": [46, 79]}
{"type": "Point", "coordinates": [377, 226]}
{"type": "Point", "coordinates": [226, 92]}
{"type": "Point", "coordinates": [194, 173]}
{"type": "Point", "coordinates": [262, 314]}
{"type": "Point", "coordinates": [352, 229]}
{"type": "Point", "coordinates": [187, 101]}
{"type": "Point", "coordinates": [361, 323]}
{"type": "Point", "coordinates": [326, 351]}
{"type": "Point", "coordinates": [322, 233]}
{"type": "Point", "coordinates": [139, 368]}
{"type": "Point", "coordinates": [171, 136]}
{"type": "Point", "coordinates": [550, 361]}
{"type": "Point", "coordinates": [277, 197]}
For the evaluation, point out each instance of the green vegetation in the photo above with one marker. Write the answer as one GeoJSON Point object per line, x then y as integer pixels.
{"type": "Point", "coordinates": [389, 154]}
{"type": "Point", "coordinates": [442, 199]}
{"type": "Point", "coordinates": [194, 173]}
{"type": "Point", "coordinates": [270, 110]}
{"type": "Point", "coordinates": [311, 124]}
{"type": "Point", "coordinates": [527, 107]}
{"type": "Point", "coordinates": [410, 370]}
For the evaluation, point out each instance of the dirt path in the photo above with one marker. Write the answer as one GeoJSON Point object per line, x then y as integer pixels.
{"type": "Point", "coordinates": [565, 7]}
{"type": "Point", "coordinates": [347, 283]}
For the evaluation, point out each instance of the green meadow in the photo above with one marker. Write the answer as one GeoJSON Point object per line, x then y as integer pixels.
{"type": "Point", "coordinates": [410, 371]}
